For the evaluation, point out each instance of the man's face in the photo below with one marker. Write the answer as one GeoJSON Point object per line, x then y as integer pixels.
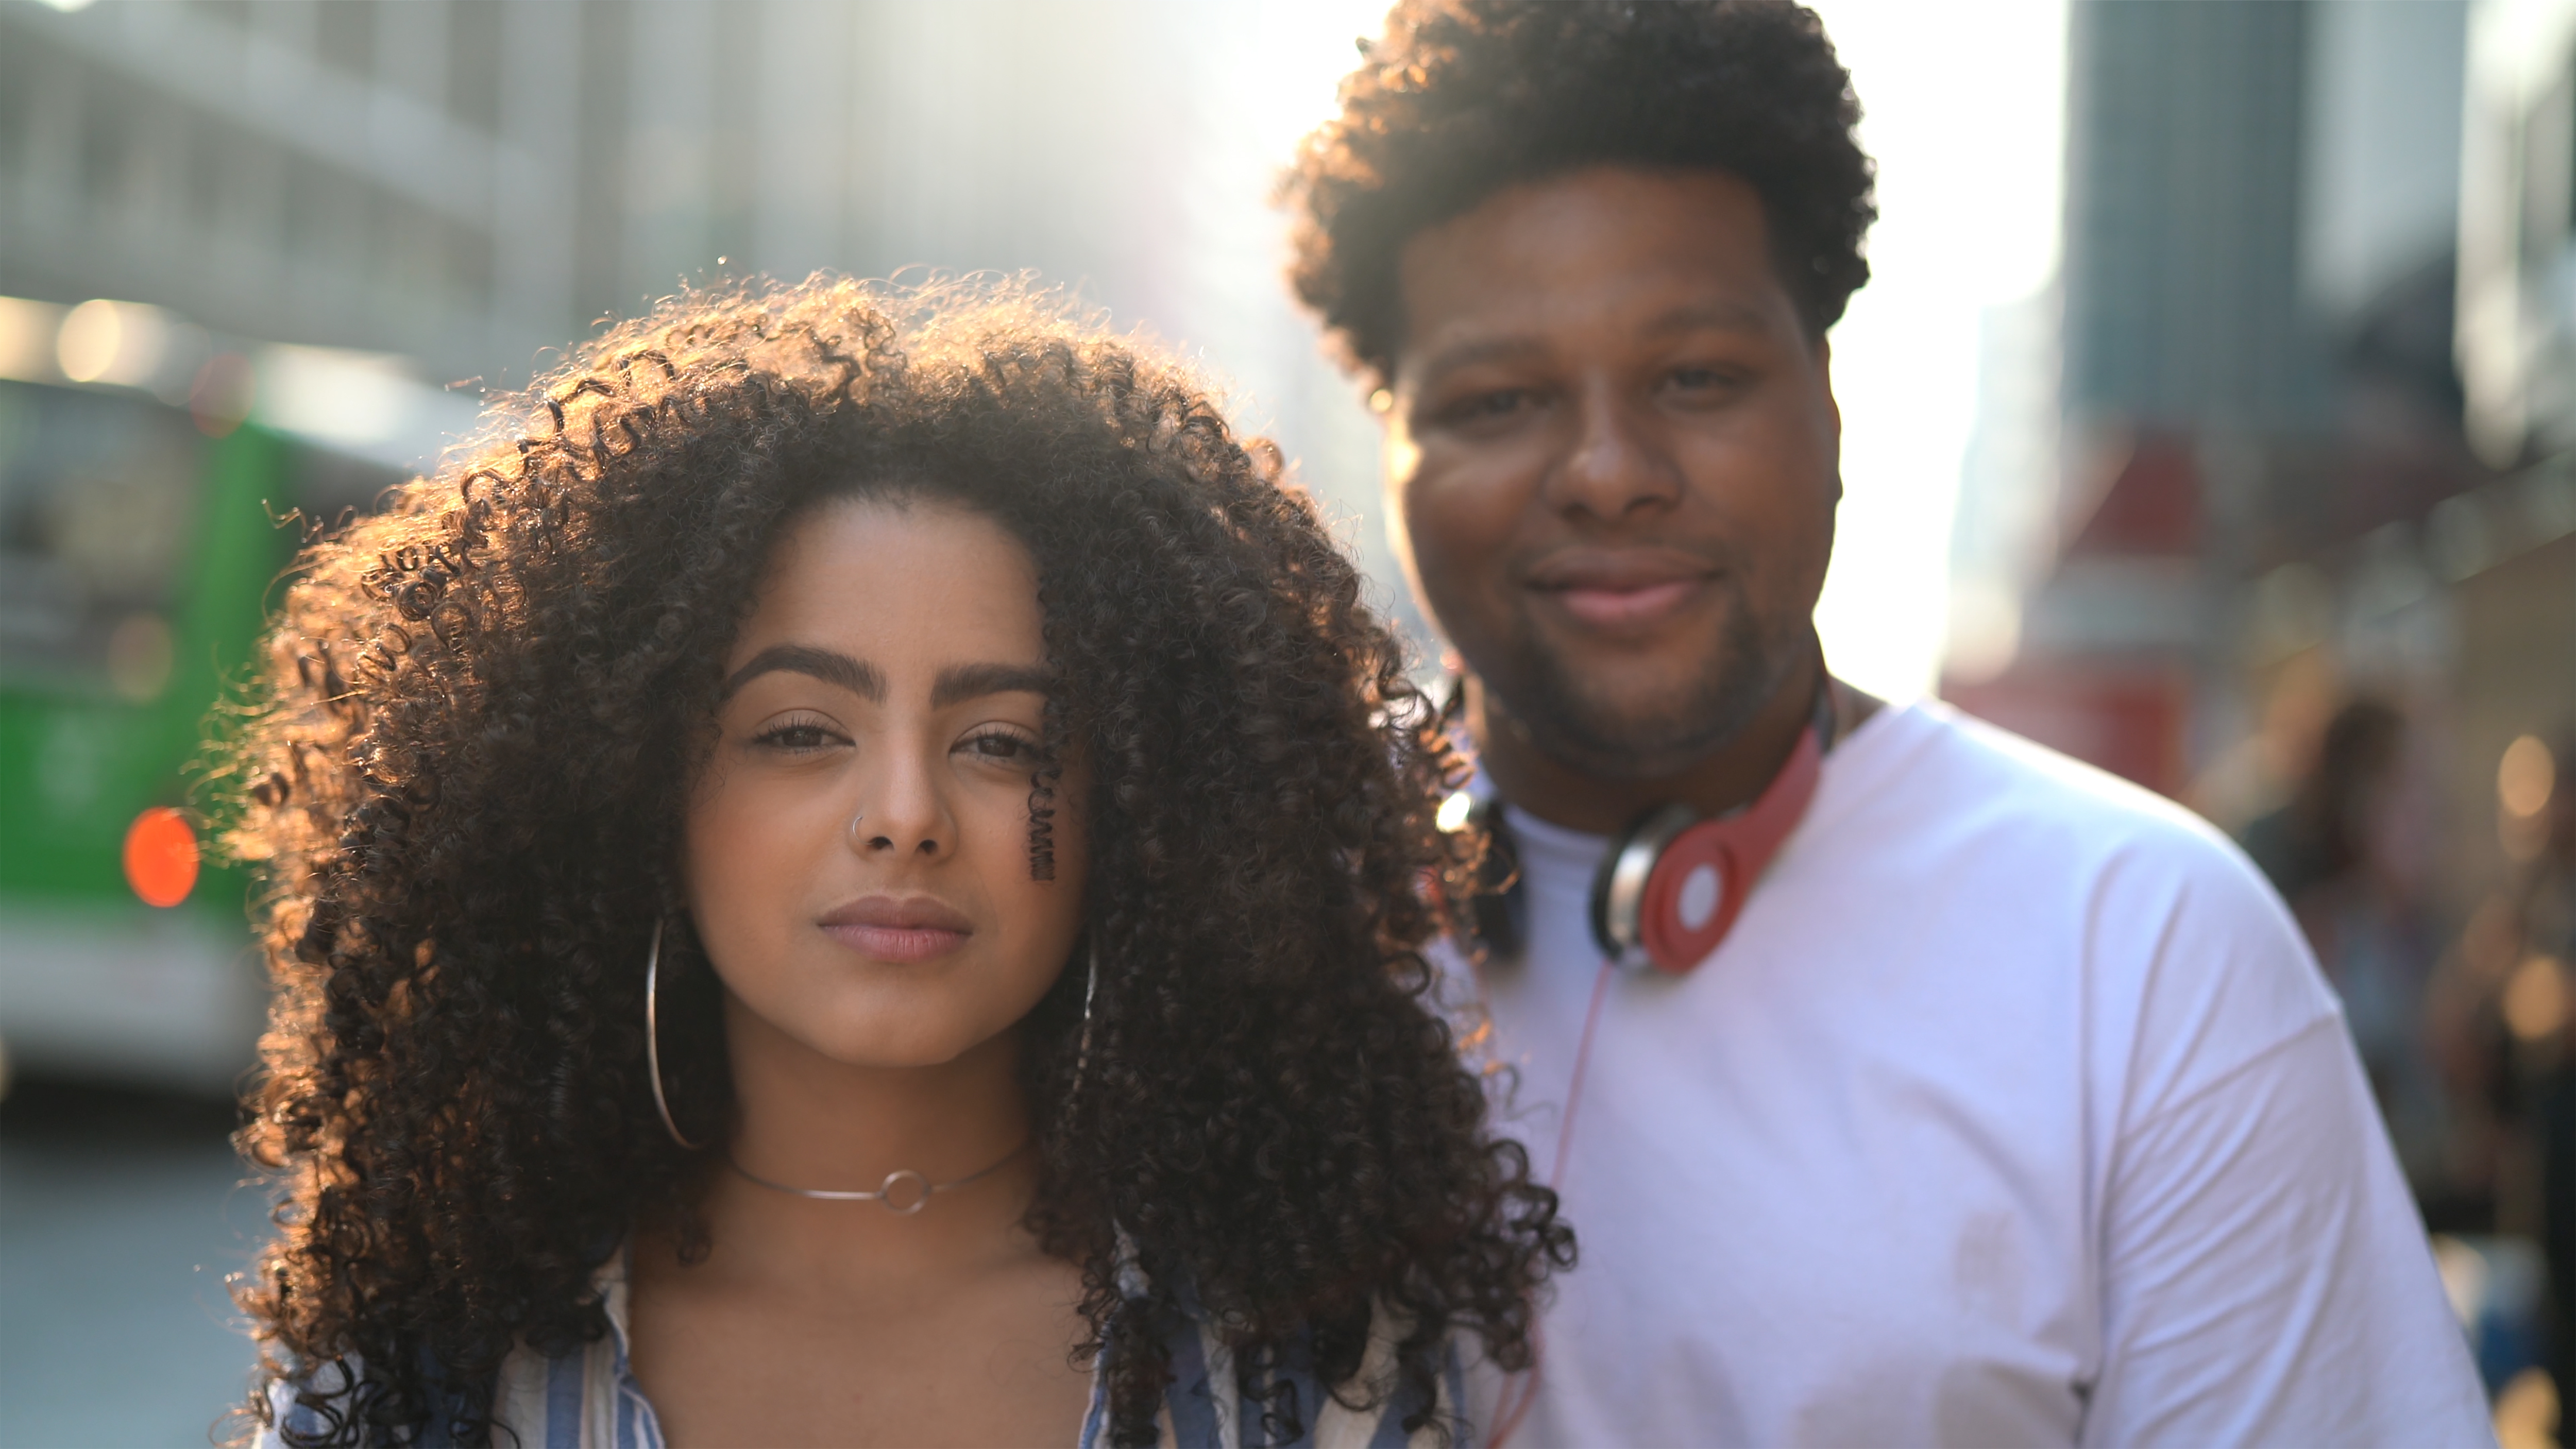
{"type": "Point", "coordinates": [1612, 452]}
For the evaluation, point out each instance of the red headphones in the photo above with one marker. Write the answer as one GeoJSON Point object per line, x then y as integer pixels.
{"type": "Point", "coordinates": [1670, 885]}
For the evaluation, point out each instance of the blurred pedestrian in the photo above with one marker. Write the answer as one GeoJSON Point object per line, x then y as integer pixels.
{"type": "Point", "coordinates": [1966, 1094]}
{"type": "Point", "coordinates": [2323, 835]}
{"type": "Point", "coordinates": [855, 856]}
{"type": "Point", "coordinates": [2332, 851]}
{"type": "Point", "coordinates": [2545, 909]}
{"type": "Point", "coordinates": [2505, 1018]}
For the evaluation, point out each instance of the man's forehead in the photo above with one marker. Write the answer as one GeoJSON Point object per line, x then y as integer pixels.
{"type": "Point", "coordinates": [1638, 252]}
{"type": "Point", "coordinates": [1511, 334]}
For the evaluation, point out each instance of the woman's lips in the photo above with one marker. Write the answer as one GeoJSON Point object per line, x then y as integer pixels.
{"type": "Point", "coordinates": [896, 943]}
{"type": "Point", "coordinates": [889, 928]}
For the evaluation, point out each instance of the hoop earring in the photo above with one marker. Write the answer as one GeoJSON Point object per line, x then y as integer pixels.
{"type": "Point", "coordinates": [653, 1040]}
{"type": "Point", "coordinates": [1082, 1046]}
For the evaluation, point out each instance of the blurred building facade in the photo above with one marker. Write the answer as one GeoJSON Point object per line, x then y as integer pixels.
{"type": "Point", "coordinates": [469, 183]}
{"type": "Point", "coordinates": [2288, 459]}
{"type": "Point", "coordinates": [359, 217]}
{"type": "Point", "coordinates": [2274, 339]}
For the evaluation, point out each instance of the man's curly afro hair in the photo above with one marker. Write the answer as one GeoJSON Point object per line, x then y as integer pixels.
{"type": "Point", "coordinates": [481, 712]}
{"type": "Point", "coordinates": [1463, 98]}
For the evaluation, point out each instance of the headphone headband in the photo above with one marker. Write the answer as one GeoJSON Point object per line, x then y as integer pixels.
{"type": "Point", "coordinates": [1671, 885]}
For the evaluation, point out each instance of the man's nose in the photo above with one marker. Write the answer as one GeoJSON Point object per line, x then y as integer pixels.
{"type": "Point", "coordinates": [1616, 463]}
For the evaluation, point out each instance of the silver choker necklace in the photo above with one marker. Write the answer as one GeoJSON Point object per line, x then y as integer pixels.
{"type": "Point", "coordinates": [904, 1191]}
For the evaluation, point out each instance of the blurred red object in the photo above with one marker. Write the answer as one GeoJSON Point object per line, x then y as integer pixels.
{"type": "Point", "coordinates": [2129, 721]}
{"type": "Point", "coordinates": [161, 856]}
{"type": "Point", "coordinates": [219, 400]}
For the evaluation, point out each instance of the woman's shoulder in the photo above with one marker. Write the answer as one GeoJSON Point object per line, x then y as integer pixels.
{"type": "Point", "coordinates": [575, 1400]}
{"type": "Point", "coordinates": [583, 1398]}
{"type": "Point", "coordinates": [587, 1398]}
{"type": "Point", "coordinates": [1209, 1403]}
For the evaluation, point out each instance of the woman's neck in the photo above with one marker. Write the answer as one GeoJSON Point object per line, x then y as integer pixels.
{"type": "Point", "coordinates": [807, 1121]}
{"type": "Point", "coordinates": [818, 1322]}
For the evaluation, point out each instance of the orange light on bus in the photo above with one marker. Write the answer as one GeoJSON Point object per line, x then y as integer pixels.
{"type": "Point", "coordinates": [161, 856]}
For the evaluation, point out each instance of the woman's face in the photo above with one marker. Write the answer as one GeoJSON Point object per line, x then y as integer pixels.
{"type": "Point", "coordinates": [858, 844]}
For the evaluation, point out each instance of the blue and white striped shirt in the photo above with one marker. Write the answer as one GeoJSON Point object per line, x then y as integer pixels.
{"type": "Point", "coordinates": [588, 1399]}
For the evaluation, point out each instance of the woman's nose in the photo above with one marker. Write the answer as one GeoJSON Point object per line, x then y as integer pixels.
{"type": "Point", "coordinates": [901, 815]}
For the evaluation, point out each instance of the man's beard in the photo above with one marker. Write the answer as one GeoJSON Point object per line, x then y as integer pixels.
{"type": "Point", "coordinates": [1548, 701]}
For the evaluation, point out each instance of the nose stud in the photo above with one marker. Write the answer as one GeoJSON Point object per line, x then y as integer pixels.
{"type": "Point", "coordinates": [866, 844]}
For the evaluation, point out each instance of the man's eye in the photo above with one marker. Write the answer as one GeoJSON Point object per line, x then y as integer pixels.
{"type": "Point", "coordinates": [1704, 379]}
{"type": "Point", "coordinates": [1487, 407]}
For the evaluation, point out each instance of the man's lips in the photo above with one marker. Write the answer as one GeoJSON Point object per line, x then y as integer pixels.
{"type": "Point", "coordinates": [1621, 590]}
{"type": "Point", "coordinates": [1620, 608]}
{"type": "Point", "coordinates": [890, 928]}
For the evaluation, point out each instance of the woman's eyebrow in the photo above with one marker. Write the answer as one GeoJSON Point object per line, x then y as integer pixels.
{"type": "Point", "coordinates": [973, 681]}
{"type": "Point", "coordinates": [855, 675]}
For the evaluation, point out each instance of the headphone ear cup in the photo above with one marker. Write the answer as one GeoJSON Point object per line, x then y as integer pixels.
{"type": "Point", "coordinates": [1499, 921]}
{"type": "Point", "coordinates": [1619, 885]}
{"type": "Point", "coordinates": [1691, 898]}
{"type": "Point", "coordinates": [1705, 873]}
{"type": "Point", "coordinates": [1492, 910]}
{"type": "Point", "coordinates": [1499, 911]}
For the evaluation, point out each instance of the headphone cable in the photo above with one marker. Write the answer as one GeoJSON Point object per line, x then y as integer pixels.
{"type": "Point", "coordinates": [1507, 1421]}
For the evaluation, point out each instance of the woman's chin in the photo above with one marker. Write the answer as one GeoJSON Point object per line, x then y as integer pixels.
{"type": "Point", "coordinates": [875, 1039]}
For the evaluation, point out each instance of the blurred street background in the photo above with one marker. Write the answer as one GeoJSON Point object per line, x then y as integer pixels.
{"type": "Point", "coordinates": [2211, 416]}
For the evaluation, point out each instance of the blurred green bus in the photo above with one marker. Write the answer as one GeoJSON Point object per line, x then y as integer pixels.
{"type": "Point", "coordinates": [138, 546]}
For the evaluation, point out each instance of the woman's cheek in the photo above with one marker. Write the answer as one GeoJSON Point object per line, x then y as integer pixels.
{"type": "Point", "coordinates": [1046, 906]}
{"type": "Point", "coordinates": [740, 869]}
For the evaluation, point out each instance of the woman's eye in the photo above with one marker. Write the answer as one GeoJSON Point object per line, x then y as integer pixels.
{"type": "Point", "coordinates": [999, 745]}
{"type": "Point", "coordinates": [798, 736]}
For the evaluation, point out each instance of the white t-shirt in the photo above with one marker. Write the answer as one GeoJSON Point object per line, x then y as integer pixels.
{"type": "Point", "coordinates": [2013, 1111]}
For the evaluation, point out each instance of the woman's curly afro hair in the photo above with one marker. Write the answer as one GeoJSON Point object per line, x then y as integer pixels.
{"type": "Point", "coordinates": [1463, 98]}
{"type": "Point", "coordinates": [479, 714]}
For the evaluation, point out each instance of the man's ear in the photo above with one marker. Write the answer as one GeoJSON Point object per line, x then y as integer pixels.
{"type": "Point", "coordinates": [1833, 410]}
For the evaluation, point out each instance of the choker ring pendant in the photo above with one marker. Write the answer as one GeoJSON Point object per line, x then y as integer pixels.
{"type": "Point", "coordinates": [903, 1193]}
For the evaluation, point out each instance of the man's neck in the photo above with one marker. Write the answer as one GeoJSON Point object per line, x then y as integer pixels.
{"type": "Point", "coordinates": [1726, 778]}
